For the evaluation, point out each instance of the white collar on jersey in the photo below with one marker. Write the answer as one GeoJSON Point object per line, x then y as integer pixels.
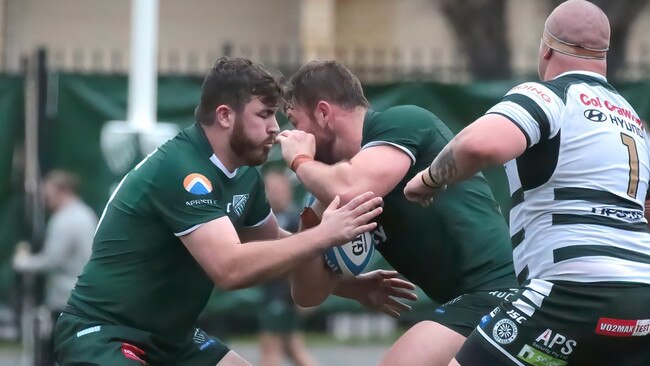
{"type": "Point", "coordinates": [215, 160]}
{"type": "Point", "coordinates": [583, 72]}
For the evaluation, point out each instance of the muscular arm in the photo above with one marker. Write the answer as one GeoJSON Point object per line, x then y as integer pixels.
{"type": "Point", "coordinates": [491, 140]}
{"type": "Point", "coordinates": [231, 264]}
{"type": "Point", "coordinates": [377, 169]}
{"type": "Point", "coordinates": [216, 246]}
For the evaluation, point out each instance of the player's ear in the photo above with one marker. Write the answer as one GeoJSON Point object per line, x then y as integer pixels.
{"type": "Point", "coordinates": [225, 116]}
{"type": "Point", "coordinates": [323, 113]}
{"type": "Point", "coordinates": [547, 53]}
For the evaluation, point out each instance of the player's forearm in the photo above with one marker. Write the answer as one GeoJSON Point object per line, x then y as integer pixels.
{"type": "Point", "coordinates": [491, 140]}
{"type": "Point", "coordinates": [459, 160]}
{"type": "Point", "coordinates": [37, 263]}
{"type": "Point", "coordinates": [311, 282]}
{"type": "Point", "coordinates": [255, 262]}
{"type": "Point", "coordinates": [327, 181]}
{"type": "Point", "coordinates": [347, 288]}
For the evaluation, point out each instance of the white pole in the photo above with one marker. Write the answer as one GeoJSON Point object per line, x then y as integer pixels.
{"type": "Point", "coordinates": [143, 65]}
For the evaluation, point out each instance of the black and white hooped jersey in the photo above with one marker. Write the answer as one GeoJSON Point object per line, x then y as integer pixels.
{"type": "Point", "coordinates": [578, 191]}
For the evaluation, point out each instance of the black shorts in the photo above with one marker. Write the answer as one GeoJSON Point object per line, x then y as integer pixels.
{"type": "Point", "coordinates": [565, 323]}
{"type": "Point", "coordinates": [463, 313]}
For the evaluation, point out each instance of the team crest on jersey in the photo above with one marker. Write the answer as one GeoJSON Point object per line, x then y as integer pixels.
{"type": "Point", "coordinates": [239, 203]}
{"type": "Point", "coordinates": [197, 184]}
{"type": "Point", "coordinates": [505, 331]}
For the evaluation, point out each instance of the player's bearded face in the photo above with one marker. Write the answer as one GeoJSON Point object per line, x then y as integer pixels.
{"type": "Point", "coordinates": [252, 152]}
{"type": "Point", "coordinates": [305, 120]}
{"type": "Point", "coordinates": [324, 144]}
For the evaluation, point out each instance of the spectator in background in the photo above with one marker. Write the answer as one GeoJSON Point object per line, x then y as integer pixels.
{"type": "Point", "coordinates": [67, 246]}
{"type": "Point", "coordinates": [279, 318]}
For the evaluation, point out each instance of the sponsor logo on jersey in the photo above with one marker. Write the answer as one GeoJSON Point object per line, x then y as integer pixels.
{"type": "Point", "coordinates": [201, 202]}
{"type": "Point", "coordinates": [199, 336]}
{"type": "Point", "coordinates": [379, 235]}
{"type": "Point", "coordinates": [494, 312]}
{"type": "Point", "coordinates": [202, 339]}
{"type": "Point", "coordinates": [453, 301]}
{"type": "Point", "coordinates": [207, 344]}
{"type": "Point", "coordinates": [532, 89]}
{"type": "Point", "coordinates": [197, 184]}
{"type": "Point", "coordinates": [595, 115]}
{"type": "Point", "coordinates": [629, 126]}
{"type": "Point", "coordinates": [621, 111]}
{"type": "Point", "coordinates": [630, 215]}
{"type": "Point", "coordinates": [504, 295]}
{"type": "Point", "coordinates": [516, 316]}
{"type": "Point", "coordinates": [505, 331]}
{"type": "Point", "coordinates": [537, 358]}
{"type": "Point", "coordinates": [239, 203]}
{"type": "Point", "coordinates": [623, 327]}
{"type": "Point", "coordinates": [484, 320]}
{"type": "Point", "coordinates": [134, 353]}
{"type": "Point", "coordinates": [552, 342]}
{"type": "Point", "coordinates": [94, 329]}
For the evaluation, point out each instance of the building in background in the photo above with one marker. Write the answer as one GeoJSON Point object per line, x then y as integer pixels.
{"type": "Point", "coordinates": [382, 40]}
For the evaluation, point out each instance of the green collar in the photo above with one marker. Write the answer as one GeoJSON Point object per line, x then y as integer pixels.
{"type": "Point", "coordinates": [197, 137]}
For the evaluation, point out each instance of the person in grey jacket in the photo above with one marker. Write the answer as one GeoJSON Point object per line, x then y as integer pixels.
{"type": "Point", "coordinates": [68, 242]}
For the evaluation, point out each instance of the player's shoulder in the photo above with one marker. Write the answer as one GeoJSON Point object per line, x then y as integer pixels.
{"type": "Point", "coordinates": [555, 91]}
{"type": "Point", "coordinates": [542, 93]}
{"type": "Point", "coordinates": [174, 167]}
{"type": "Point", "coordinates": [406, 116]}
{"type": "Point", "coordinates": [407, 111]}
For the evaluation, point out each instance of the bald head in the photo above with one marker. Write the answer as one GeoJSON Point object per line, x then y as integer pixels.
{"type": "Point", "coordinates": [580, 23]}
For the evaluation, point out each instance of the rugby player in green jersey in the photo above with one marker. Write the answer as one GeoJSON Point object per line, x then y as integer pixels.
{"type": "Point", "coordinates": [457, 250]}
{"type": "Point", "coordinates": [173, 228]}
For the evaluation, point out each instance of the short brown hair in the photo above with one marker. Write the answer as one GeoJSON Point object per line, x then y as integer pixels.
{"type": "Point", "coordinates": [234, 81]}
{"type": "Point", "coordinates": [325, 80]}
{"type": "Point", "coordinates": [63, 180]}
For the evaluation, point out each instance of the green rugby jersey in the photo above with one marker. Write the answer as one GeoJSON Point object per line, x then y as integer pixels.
{"type": "Point", "coordinates": [461, 242]}
{"type": "Point", "coordinates": [140, 274]}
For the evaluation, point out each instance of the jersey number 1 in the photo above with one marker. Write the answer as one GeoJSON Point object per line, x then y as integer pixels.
{"type": "Point", "coordinates": [633, 182]}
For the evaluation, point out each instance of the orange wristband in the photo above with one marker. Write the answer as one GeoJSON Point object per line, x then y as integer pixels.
{"type": "Point", "coordinates": [302, 158]}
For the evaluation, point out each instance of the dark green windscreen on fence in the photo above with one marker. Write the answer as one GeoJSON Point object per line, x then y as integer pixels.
{"type": "Point", "coordinates": [11, 189]}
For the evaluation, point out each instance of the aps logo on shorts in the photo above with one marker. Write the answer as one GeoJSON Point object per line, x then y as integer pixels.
{"type": "Point", "coordinates": [197, 184]}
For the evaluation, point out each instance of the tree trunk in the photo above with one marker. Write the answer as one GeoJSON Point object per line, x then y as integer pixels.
{"type": "Point", "coordinates": [480, 27]}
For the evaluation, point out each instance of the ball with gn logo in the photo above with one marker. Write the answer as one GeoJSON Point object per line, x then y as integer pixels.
{"type": "Point", "coordinates": [351, 258]}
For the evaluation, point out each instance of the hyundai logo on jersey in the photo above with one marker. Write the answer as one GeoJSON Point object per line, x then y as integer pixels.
{"type": "Point", "coordinates": [197, 184]}
{"type": "Point", "coordinates": [595, 115]}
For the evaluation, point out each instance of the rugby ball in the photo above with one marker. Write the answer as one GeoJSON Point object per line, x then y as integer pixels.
{"type": "Point", "coordinates": [351, 258]}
